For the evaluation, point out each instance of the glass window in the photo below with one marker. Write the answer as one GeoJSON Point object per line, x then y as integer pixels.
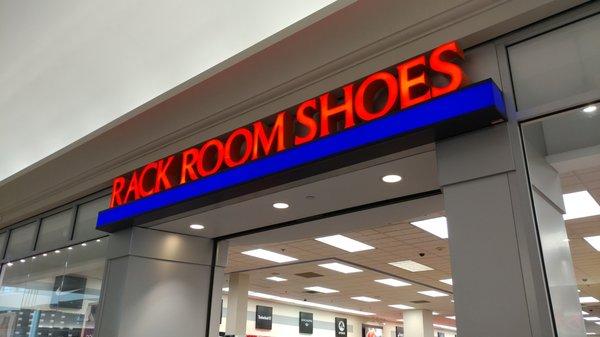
{"type": "Point", "coordinates": [53, 294]}
{"type": "Point", "coordinates": [85, 224]}
{"type": "Point", "coordinates": [21, 240]}
{"type": "Point", "coordinates": [563, 158]}
{"type": "Point", "coordinates": [55, 230]}
{"type": "Point", "coordinates": [3, 237]}
{"type": "Point", "coordinates": [559, 64]}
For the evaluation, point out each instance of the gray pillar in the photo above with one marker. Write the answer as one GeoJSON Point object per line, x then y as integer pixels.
{"type": "Point", "coordinates": [156, 284]}
{"type": "Point", "coordinates": [418, 323]}
{"type": "Point", "coordinates": [499, 285]}
{"type": "Point", "coordinates": [237, 304]}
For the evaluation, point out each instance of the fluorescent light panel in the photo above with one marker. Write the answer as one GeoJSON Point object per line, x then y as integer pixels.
{"type": "Point", "coordinates": [344, 243]}
{"type": "Point", "coordinates": [580, 205]}
{"type": "Point", "coordinates": [584, 313]}
{"type": "Point", "coordinates": [592, 318]}
{"type": "Point", "coordinates": [447, 327]}
{"type": "Point", "coordinates": [447, 281]}
{"type": "Point", "coordinates": [308, 304]}
{"type": "Point", "coordinates": [392, 282]}
{"type": "Point", "coordinates": [436, 226]}
{"type": "Point", "coordinates": [400, 306]}
{"type": "Point", "coordinates": [411, 266]}
{"type": "Point", "coordinates": [451, 317]}
{"type": "Point", "coordinates": [588, 299]}
{"type": "Point", "coordinates": [276, 279]}
{"type": "Point", "coordinates": [594, 241]}
{"type": "Point", "coordinates": [433, 293]}
{"type": "Point", "coordinates": [322, 290]}
{"type": "Point", "coordinates": [268, 255]}
{"type": "Point", "coordinates": [340, 268]}
{"type": "Point", "coordinates": [365, 299]}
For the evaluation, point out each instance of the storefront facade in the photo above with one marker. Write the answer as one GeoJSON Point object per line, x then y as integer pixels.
{"type": "Point", "coordinates": [511, 266]}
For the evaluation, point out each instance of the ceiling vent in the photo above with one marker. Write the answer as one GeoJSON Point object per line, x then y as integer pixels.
{"type": "Point", "coordinates": [420, 302]}
{"type": "Point", "coordinates": [310, 292]}
{"type": "Point", "coordinates": [309, 274]}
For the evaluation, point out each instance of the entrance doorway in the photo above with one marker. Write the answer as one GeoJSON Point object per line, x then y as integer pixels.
{"type": "Point", "coordinates": [365, 248]}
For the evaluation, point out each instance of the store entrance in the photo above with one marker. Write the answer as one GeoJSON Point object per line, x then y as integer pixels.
{"type": "Point", "coordinates": [365, 251]}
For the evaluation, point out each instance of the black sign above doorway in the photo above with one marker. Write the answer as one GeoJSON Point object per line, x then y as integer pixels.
{"type": "Point", "coordinates": [305, 325]}
{"type": "Point", "coordinates": [341, 327]}
{"type": "Point", "coordinates": [264, 317]}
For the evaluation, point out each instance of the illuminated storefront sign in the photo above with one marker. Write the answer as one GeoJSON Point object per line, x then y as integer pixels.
{"type": "Point", "coordinates": [416, 94]}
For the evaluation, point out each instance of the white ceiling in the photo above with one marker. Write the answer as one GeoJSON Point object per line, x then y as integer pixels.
{"type": "Point", "coordinates": [70, 67]}
{"type": "Point", "coordinates": [336, 190]}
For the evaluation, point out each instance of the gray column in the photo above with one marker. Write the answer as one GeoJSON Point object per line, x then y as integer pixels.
{"type": "Point", "coordinates": [499, 285]}
{"type": "Point", "coordinates": [156, 284]}
{"type": "Point", "coordinates": [418, 323]}
{"type": "Point", "coordinates": [237, 304]}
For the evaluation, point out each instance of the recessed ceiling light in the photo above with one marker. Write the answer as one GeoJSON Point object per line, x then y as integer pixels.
{"type": "Point", "coordinates": [594, 241]}
{"type": "Point", "coordinates": [393, 282]}
{"type": "Point", "coordinates": [580, 205]}
{"type": "Point", "coordinates": [391, 178]}
{"type": "Point", "coordinates": [281, 205]}
{"type": "Point", "coordinates": [447, 327]}
{"type": "Point", "coordinates": [226, 289]}
{"type": "Point", "coordinates": [340, 267]}
{"type": "Point", "coordinates": [22, 260]}
{"type": "Point", "coordinates": [98, 240]}
{"type": "Point", "coordinates": [270, 256]}
{"type": "Point", "coordinates": [45, 254]}
{"type": "Point", "coordinates": [433, 293]}
{"type": "Point", "coordinates": [411, 266]}
{"type": "Point", "coordinates": [10, 264]}
{"type": "Point", "coordinates": [584, 313]}
{"type": "Point", "coordinates": [401, 306]}
{"type": "Point", "coordinates": [590, 109]}
{"type": "Point", "coordinates": [436, 226]}
{"type": "Point", "coordinates": [57, 251]}
{"type": "Point", "coordinates": [84, 244]}
{"type": "Point", "coordinates": [365, 299]}
{"type": "Point", "coordinates": [588, 299]}
{"type": "Point", "coordinates": [344, 243]}
{"type": "Point", "coordinates": [33, 258]}
{"type": "Point", "coordinates": [451, 317]}
{"type": "Point", "coordinates": [592, 318]}
{"type": "Point", "coordinates": [196, 226]}
{"type": "Point", "coordinates": [303, 303]}
{"type": "Point", "coordinates": [435, 313]}
{"type": "Point", "coordinates": [276, 279]}
{"type": "Point", "coordinates": [447, 281]}
{"type": "Point", "coordinates": [70, 248]}
{"type": "Point", "coordinates": [322, 290]}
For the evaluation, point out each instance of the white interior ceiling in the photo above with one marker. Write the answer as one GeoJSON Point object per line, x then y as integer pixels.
{"type": "Point", "coordinates": [71, 67]}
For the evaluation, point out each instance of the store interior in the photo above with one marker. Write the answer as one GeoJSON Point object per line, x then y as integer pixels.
{"type": "Point", "coordinates": [370, 276]}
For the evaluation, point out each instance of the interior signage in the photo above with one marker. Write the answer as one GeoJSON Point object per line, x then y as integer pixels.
{"type": "Point", "coordinates": [264, 317]}
{"type": "Point", "coordinates": [341, 327]}
{"type": "Point", "coordinates": [305, 325]}
{"type": "Point", "coordinates": [412, 95]}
